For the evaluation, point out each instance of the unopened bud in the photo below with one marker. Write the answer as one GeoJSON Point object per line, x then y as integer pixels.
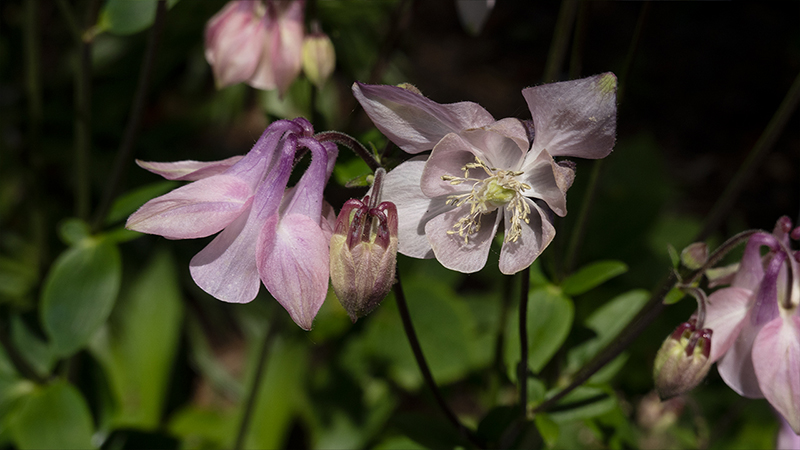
{"type": "Point", "coordinates": [363, 255]}
{"type": "Point", "coordinates": [682, 362]}
{"type": "Point", "coordinates": [695, 255]}
{"type": "Point", "coordinates": [319, 57]}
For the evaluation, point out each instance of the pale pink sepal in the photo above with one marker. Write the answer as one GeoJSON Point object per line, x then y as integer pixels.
{"type": "Point", "coordinates": [414, 122]}
{"type": "Point", "coordinates": [735, 367]}
{"type": "Point", "coordinates": [451, 250]}
{"type": "Point", "coordinates": [196, 210]}
{"type": "Point", "coordinates": [776, 357]}
{"type": "Point", "coordinates": [293, 259]}
{"type": "Point", "coordinates": [234, 39]}
{"type": "Point", "coordinates": [787, 438]}
{"type": "Point", "coordinates": [281, 59]}
{"type": "Point", "coordinates": [189, 170]}
{"type": "Point", "coordinates": [575, 118]}
{"type": "Point", "coordinates": [726, 312]}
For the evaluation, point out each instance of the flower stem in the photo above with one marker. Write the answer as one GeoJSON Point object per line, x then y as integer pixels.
{"type": "Point", "coordinates": [252, 392]}
{"type": "Point", "coordinates": [522, 368]}
{"type": "Point", "coordinates": [351, 143]}
{"type": "Point", "coordinates": [408, 327]}
{"type": "Point", "coordinates": [125, 151]}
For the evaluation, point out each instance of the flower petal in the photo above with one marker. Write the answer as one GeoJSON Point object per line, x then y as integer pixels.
{"type": "Point", "coordinates": [751, 269]}
{"type": "Point", "coordinates": [451, 250]}
{"type": "Point", "coordinates": [776, 357]}
{"type": "Point", "coordinates": [725, 315]}
{"type": "Point", "coordinates": [536, 236]}
{"type": "Point", "coordinates": [196, 210]}
{"type": "Point", "coordinates": [401, 186]}
{"type": "Point", "coordinates": [293, 261]}
{"type": "Point", "coordinates": [503, 143]}
{"type": "Point", "coordinates": [234, 39]}
{"type": "Point", "coordinates": [544, 176]}
{"type": "Point", "coordinates": [448, 158]}
{"type": "Point", "coordinates": [736, 365]}
{"type": "Point", "coordinates": [189, 170]}
{"type": "Point", "coordinates": [226, 268]}
{"type": "Point", "coordinates": [286, 41]}
{"type": "Point", "coordinates": [575, 118]}
{"type": "Point", "coordinates": [414, 122]}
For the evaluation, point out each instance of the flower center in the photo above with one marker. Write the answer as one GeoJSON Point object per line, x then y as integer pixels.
{"type": "Point", "coordinates": [500, 189]}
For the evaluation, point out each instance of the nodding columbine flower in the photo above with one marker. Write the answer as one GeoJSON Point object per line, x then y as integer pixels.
{"type": "Point", "coordinates": [364, 252]}
{"type": "Point", "coordinates": [483, 172]}
{"type": "Point", "coordinates": [256, 42]}
{"type": "Point", "coordinates": [268, 233]}
{"type": "Point", "coordinates": [682, 362]}
{"type": "Point", "coordinates": [756, 324]}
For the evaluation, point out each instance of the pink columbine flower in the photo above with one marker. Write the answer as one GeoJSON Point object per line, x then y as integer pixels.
{"type": "Point", "coordinates": [258, 43]}
{"type": "Point", "coordinates": [483, 172]}
{"type": "Point", "coordinates": [268, 233]}
{"type": "Point", "coordinates": [756, 325]}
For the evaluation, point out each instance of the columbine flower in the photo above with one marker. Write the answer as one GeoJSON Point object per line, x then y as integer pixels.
{"type": "Point", "coordinates": [682, 361]}
{"type": "Point", "coordinates": [268, 233]}
{"type": "Point", "coordinates": [257, 43]}
{"type": "Point", "coordinates": [756, 324]}
{"type": "Point", "coordinates": [483, 172]}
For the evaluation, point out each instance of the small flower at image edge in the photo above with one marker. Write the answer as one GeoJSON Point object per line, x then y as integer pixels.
{"type": "Point", "coordinates": [483, 172]}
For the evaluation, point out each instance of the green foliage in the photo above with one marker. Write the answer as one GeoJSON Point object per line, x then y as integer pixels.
{"type": "Point", "coordinates": [79, 293]}
{"type": "Point", "coordinates": [53, 416]}
{"type": "Point", "coordinates": [592, 276]}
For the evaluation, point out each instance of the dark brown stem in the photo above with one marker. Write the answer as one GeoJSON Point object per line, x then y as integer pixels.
{"type": "Point", "coordinates": [351, 143]}
{"type": "Point", "coordinates": [419, 356]}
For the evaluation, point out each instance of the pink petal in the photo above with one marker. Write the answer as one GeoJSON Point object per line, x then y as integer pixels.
{"type": "Point", "coordinates": [414, 122]}
{"type": "Point", "coordinates": [414, 209]}
{"type": "Point", "coordinates": [188, 170]}
{"type": "Point", "coordinates": [196, 210]}
{"type": "Point", "coordinates": [451, 250]}
{"type": "Point", "coordinates": [293, 261]}
{"type": "Point", "coordinates": [448, 158]}
{"type": "Point", "coordinates": [787, 438]}
{"type": "Point", "coordinates": [287, 45]}
{"type": "Point", "coordinates": [226, 268]}
{"type": "Point", "coordinates": [575, 118]}
{"type": "Point", "coordinates": [725, 315]}
{"type": "Point", "coordinates": [776, 356]}
{"type": "Point", "coordinates": [234, 41]}
{"type": "Point", "coordinates": [536, 236]}
{"type": "Point", "coordinates": [736, 365]}
{"type": "Point", "coordinates": [503, 143]}
{"type": "Point", "coordinates": [751, 268]}
{"type": "Point", "coordinates": [546, 179]}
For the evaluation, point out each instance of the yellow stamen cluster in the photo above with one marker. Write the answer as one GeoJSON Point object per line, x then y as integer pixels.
{"type": "Point", "coordinates": [500, 189]}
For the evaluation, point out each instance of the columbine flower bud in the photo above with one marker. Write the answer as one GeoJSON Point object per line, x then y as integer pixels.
{"type": "Point", "coordinates": [319, 57]}
{"type": "Point", "coordinates": [363, 255]}
{"type": "Point", "coordinates": [695, 255]}
{"type": "Point", "coordinates": [682, 362]}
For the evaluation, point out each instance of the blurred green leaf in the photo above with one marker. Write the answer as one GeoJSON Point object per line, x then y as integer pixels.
{"type": "Point", "coordinates": [17, 277]}
{"type": "Point", "coordinates": [550, 316]}
{"type": "Point", "coordinates": [548, 428]}
{"type": "Point", "coordinates": [53, 417]}
{"type": "Point", "coordinates": [674, 296]}
{"type": "Point", "coordinates": [352, 173]}
{"type": "Point", "coordinates": [35, 351]}
{"type": "Point", "coordinates": [585, 402]}
{"type": "Point", "coordinates": [138, 347]}
{"type": "Point", "coordinates": [591, 276]}
{"type": "Point", "coordinates": [125, 17]}
{"type": "Point", "coordinates": [429, 431]}
{"type": "Point", "coordinates": [73, 231]}
{"type": "Point", "coordinates": [128, 203]}
{"type": "Point", "coordinates": [79, 293]}
{"type": "Point", "coordinates": [204, 428]}
{"type": "Point", "coordinates": [400, 443]}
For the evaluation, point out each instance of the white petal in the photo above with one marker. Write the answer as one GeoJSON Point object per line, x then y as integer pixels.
{"type": "Point", "coordinates": [536, 236]}
{"type": "Point", "coordinates": [451, 250]}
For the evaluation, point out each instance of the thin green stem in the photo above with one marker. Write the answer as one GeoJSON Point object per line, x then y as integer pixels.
{"type": "Point", "coordinates": [558, 48]}
{"type": "Point", "coordinates": [765, 143]}
{"type": "Point", "coordinates": [522, 368]}
{"type": "Point", "coordinates": [351, 143]}
{"type": "Point", "coordinates": [252, 392]}
{"type": "Point", "coordinates": [125, 152]}
{"type": "Point", "coordinates": [419, 356]}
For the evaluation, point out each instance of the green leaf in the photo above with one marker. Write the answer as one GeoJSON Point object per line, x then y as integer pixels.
{"type": "Point", "coordinates": [73, 231]}
{"type": "Point", "coordinates": [138, 348]}
{"type": "Point", "coordinates": [53, 417]}
{"type": "Point", "coordinates": [352, 173]}
{"type": "Point", "coordinates": [125, 17]}
{"type": "Point", "coordinates": [547, 428]}
{"type": "Point", "coordinates": [128, 203]}
{"type": "Point", "coordinates": [35, 351]}
{"type": "Point", "coordinates": [79, 293]}
{"type": "Point", "coordinates": [550, 316]}
{"type": "Point", "coordinates": [584, 402]}
{"type": "Point", "coordinates": [674, 296]}
{"type": "Point", "coordinates": [591, 276]}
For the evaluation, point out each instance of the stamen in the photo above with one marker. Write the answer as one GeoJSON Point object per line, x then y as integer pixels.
{"type": "Point", "coordinates": [500, 189]}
